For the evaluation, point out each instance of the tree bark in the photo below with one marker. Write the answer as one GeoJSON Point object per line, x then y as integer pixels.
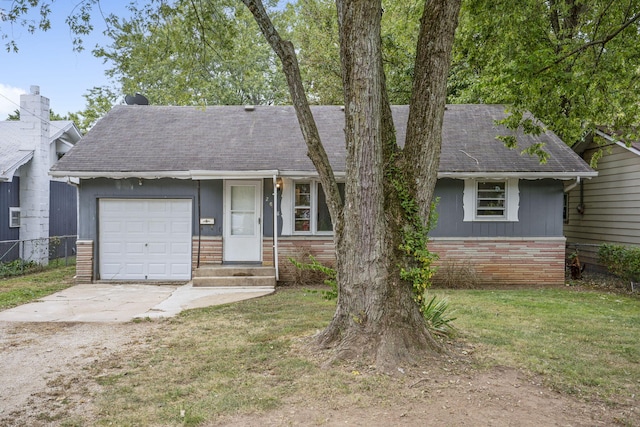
{"type": "Point", "coordinates": [376, 319]}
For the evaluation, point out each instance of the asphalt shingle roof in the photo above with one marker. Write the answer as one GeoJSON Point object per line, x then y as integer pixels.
{"type": "Point", "coordinates": [230, 138]}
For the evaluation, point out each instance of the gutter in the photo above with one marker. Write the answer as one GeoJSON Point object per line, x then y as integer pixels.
{"type": "Point", "coordinates": [572, 186]}
{"type": "Point", "coordinates": [193, 175]}
{"type": "Point", "coordinates": [275, 226]}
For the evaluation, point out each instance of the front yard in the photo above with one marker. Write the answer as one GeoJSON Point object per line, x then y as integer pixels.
{"type": "Point", "coordinates": [553, 356]}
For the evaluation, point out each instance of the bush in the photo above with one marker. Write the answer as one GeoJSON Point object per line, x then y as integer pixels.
{"type": "Point", "coordinates": [621, 260]}
{"type": "Point", "coordinates": [318, 270]}
{"type": "Point", "coordinates": [454, 274]}
{"type": "Point", "coordinates": [17, 267]}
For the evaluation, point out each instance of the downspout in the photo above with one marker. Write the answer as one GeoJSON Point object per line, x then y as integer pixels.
{"type": "Point", "coordinates": [572, 186]}
{"type": "Point", "coordinates": [275, 226]}
{"type": "Point", "coordinates": [199, 227]}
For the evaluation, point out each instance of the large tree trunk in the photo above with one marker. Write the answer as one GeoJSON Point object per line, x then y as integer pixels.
{"type": "Point", "coordinates": [376, 320]}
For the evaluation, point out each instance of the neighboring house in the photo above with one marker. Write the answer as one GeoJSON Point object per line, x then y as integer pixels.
{"type": "Point", "coordinates": [605, 209]}
{"type": "Point", "coordinates": [33, 206]}
{"type": "Point", "coordinates": [164, 190]}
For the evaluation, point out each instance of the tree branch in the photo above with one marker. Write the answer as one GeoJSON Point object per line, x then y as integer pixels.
{"type": "Point", "coordinates": [585, 46]}
{"type": "Point", "coordinates": [315, 150]}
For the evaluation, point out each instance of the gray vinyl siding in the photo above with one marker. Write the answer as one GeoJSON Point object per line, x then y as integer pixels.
{"type": "Point", "coordinates": [211, 201]}
{"type": "Point", "coordinates": [539, 213]}
{"type": "Point", "coordinates": [63, 209]}
{"type": "Point", "coordinates": [9, 198]}
{"type": "Point", "coordinates": [267, 209]}
{"type": "Point", "coordinates": [611, 200]}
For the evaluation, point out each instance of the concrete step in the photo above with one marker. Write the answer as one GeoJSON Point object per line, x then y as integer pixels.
{"type": "Point", "coordinates": [233, 271]}
{"type": "Point", "coordinates": [236, 275]}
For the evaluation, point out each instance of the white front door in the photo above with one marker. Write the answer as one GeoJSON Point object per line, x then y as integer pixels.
{"type": "Point", "coordinates": [242, 221]}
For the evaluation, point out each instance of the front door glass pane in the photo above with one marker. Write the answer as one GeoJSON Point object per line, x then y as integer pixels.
{"type": "Point", "coordinates": [243, 212]}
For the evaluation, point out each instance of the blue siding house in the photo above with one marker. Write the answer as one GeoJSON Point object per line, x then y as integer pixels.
{"type": "Point", "coordinates": [167, 191]}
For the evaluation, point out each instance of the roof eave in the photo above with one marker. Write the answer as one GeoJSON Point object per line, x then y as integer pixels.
{"type": "Point", "coordinates": [617, 142]}
{"type": "Point", "coordinates": [520, 175]}
{"type": "Point", "coordinates": [7, 175]}
{"type": "Point", "coordinates": [194, 175]}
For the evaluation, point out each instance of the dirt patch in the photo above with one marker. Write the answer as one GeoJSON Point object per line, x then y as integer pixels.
{"type": "Point", "coordinates": [47, 379]}
{"type": "Point", "coordinates": [45, 372]}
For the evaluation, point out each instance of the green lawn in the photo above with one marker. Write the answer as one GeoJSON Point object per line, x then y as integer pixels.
{"type": "Point", "coordinates": [252, 355]}
{"type": "Point", "coordinates": [23, 289]}
{"type": "Point", "coordinates": [583, 342]}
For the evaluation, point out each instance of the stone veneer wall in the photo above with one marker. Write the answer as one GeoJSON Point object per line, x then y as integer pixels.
{"type": "Point", "coordinates": [84, 261]}
{"type": "Point", "coordinates": [508, 261]}
{"type": "Point", "coordinates": [210, 250]}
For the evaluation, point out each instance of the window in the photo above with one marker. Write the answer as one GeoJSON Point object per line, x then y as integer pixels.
{"type": "Point", "coordinates": [565, 209]}
{"type": "Point", "coordinates": [491, 200]}
{"type": "Point", "coordinates": [14, 217]}
{"type": "Point", "coordinates": [302, 207]}
{"type": "Point", "coordinates": [310, 210]}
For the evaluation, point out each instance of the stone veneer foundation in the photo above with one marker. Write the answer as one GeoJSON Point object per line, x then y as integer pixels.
{"type": "Point", "coordinates": [499, 262]}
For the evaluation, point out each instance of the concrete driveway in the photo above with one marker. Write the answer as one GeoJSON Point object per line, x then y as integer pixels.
{"type": "Point", "coordinates": [124, 302]}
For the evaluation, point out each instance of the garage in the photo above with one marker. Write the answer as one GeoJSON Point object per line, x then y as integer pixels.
{"type": "Point", "coordinates": [145, 239]}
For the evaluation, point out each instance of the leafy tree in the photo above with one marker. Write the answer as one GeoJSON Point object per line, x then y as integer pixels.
{"type": "Point", "coordinates": [380, 229]}
{"type": "Point", "coordinates": [574, 64]}
{"type": "Point", "coordinates": [207, 53]}
{"type": "Point", "coordinates": [383, 266]}
{"type": "Point", "coordinates": [314, 32]}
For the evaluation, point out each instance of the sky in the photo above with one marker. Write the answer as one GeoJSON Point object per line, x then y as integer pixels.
{"type": "Point", "coordinates": [47, 59]}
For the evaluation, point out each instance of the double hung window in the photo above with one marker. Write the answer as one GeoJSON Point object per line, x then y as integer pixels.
{"type": "Point", "coordinates": [310, 210]}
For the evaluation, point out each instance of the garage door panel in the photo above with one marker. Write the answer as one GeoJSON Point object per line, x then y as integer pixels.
{"type": "Point", "coordinates": [111, 247]}
{"type": "Point", "coordinates": [145, 239]}
{"type": "Point", "coordinates": [157, 269]}
{"type": "Point", "coordinates": [158, 248]}
{"type": "Point", "coordinates": [134, 248]}
{"type": "Point", "coordinates": [158, 227]}
{"type": "Point", "coordinates": [180, 227]}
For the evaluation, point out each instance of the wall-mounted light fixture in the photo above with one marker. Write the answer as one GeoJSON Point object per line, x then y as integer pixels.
{"type": "Point", "coordinates": [279, 184]}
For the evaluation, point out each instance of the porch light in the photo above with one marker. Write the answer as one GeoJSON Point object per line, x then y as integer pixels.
{"type": "Point", "coordinates": [279, 183]}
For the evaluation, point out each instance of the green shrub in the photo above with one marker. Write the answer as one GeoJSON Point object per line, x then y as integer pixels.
{"type": "Point", "coordinates": [17, 267]}
{"type": "Point", "coordinates": [623, 261]}
{"type": "Point", "coordinates": [328, 272]}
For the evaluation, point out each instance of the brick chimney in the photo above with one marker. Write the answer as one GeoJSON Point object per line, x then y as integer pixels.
{"type": "Point", "coordinates": [34, 177]}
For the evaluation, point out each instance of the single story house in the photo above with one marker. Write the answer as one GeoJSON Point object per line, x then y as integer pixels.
{"type": "Point", "coordinates": [165, 190]}
{"type": "Point", "coordinates": [605, 209]}
{"type": "Point", "coordinates": [33, 206]}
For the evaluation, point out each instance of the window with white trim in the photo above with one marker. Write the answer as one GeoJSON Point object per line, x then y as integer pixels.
{"type": "Point", "coordinates": [310, 210]}
{"type": "Point", "coordinates": [491, 200]}
{"type": "Point", "coordinates": [14, 217]}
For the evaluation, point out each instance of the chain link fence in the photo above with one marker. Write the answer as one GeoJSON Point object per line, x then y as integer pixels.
{"type": "Point", "coordinates": [18, 256]}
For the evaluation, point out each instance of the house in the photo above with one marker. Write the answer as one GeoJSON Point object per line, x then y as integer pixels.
{"type": "Point", "coordinates": [605, 209]}
{"type": "Point", "coordinates": [33, 206]}
{"type": "Point", "coordinates": [166, 190]}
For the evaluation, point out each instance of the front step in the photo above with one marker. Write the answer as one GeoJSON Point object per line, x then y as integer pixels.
{"type": "Point", "coordinates": [234, 276]}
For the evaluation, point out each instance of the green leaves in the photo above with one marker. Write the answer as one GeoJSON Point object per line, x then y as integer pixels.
{"type": "Point", "coordinates": [620, 260]}
{"type": "Point", "coordinates": [574, 65]}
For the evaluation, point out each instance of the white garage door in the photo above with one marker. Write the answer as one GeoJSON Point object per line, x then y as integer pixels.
{"type": "Point", "coordinates": [145, 239]}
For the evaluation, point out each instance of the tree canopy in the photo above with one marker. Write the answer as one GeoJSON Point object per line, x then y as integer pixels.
{"type": "Point", "coordinates": [574, 64]}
